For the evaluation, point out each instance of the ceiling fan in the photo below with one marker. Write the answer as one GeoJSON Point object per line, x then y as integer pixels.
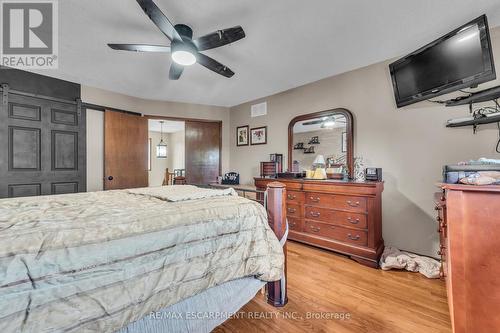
{"type": "Point", "coordinates": [326, 122]}
{"type": "Point", "coordinates": [184, 49]}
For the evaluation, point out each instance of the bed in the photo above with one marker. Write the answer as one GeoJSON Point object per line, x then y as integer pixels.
{"type": "Point", "coordinates": [138, 260]}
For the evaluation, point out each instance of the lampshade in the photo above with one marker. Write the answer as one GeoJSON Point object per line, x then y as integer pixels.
{"type": "Point", "coordinates": [161, 148]}
{"type": "Point", "coordinates": [320, 159]}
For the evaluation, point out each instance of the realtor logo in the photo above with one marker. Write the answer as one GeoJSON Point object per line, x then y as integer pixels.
{"type": "Point", "coordinates": [29, 34]}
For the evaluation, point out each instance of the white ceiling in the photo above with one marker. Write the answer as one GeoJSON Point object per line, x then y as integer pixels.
{"type": "Point", "coordinates": [289, 42]}
{"type": "Point", "coordinates": [169, 126]}
{"type": "Point", "coordinates": [299, 127]}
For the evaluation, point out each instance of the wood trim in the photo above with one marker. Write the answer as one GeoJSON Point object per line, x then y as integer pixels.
{"type": "Point", "coordinates": [349, 129]}
{"type": "Point", "coordinates": [195, 120]}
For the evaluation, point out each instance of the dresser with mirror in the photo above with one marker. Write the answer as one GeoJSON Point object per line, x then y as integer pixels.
{"type": "Point", "coordinates": [336, 213]}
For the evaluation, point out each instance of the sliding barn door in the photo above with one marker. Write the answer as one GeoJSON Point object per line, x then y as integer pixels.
{"type": "Point", "coordinates": [125, 151]}
{"type": "Point", "coordinates": [203, 150]}
{"type": "Point", "coordinates": [42, 146]}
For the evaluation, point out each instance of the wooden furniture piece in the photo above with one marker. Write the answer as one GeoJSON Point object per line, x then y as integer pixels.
{"type": "Point", "coordinates": [469, 226]}
{"type": "Point", "coordinates": [125, 151]}
{"type": "Point", "coordinates": [168, 179]}
{"type": "Point", "coordinates": [341, 216]}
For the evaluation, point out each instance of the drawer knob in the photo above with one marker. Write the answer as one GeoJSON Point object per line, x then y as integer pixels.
{"type": "Point", "coordinates": [351, 237]}
{"type": "Point", "coordinates": [441, 272]}
{"type": "Point", "coordinates": [315, 229]}
{"type": "Point", "coordinates": [313, 199]}
{"type": "Point", "coordinates": [353, 204]}
{"type": "Point", "coordinates": [292, 210]}
{"type": "Point", "coordinates": [351, 220]}
{"type": "Point", "coordinates": [315, 214]}
{"type": "Point", "coordinates": [291, 196]}
{"type": "Point", "coordinates": [292, 225]}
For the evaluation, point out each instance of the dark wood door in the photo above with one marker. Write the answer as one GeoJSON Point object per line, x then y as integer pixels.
{"type": "Point", "coordinates": [42, 147]}
{"type": "Point", "coordinates": [125, 151]}
{"type": "Point", "coordinates": [203, 150]}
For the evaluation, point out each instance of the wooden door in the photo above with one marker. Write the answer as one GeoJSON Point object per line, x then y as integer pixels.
{"type": "Point", "coordinates": [203, 152]}
{"type": "Point", "coordinates": [125, 151]}
{"type": "Point", "coordinates": [42, 147]}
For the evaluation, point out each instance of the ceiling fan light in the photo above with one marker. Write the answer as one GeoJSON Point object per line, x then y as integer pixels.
{"type": "Point", "coordinates": [184, 58]}
{"type": "Point", "coordinates": [329, 123]}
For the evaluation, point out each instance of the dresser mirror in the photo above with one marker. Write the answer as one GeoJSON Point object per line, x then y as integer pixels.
{"type": "Point", "coordinates": [324, 137]}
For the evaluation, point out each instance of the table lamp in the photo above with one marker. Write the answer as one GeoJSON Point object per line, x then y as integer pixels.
{"type": "Point", "coordinates": [319, 166]}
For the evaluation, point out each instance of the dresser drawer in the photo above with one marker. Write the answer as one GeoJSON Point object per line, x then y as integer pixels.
{"type": "Point", "coordinates": [349, 219]}
{"type": "Point", "coordinates": [294, 197]}
{"type": "Point", "coordinates": [320, 214]}
{"type": "Point", "coordinates": [293, 210]}
{"type": "Point", "coordinates": [344, 202]}
{"type": "Point", "coordinates": [346, 235]}
{"type": "Point", "coordinates": [294, 224]}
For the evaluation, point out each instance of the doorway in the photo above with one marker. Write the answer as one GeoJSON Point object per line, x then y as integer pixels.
{"type": "Point", "coordinates": [166, 151]}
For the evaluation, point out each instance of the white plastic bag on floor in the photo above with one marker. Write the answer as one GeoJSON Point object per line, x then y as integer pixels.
{"type": "Point", "coordinates": [394, 258]}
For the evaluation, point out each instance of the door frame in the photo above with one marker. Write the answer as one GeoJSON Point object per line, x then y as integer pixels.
{"type": "Point", "coordinates": [194, 120]}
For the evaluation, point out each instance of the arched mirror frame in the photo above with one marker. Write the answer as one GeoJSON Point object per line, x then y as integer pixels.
{"type": "Point", "coordinates": [349, 129]}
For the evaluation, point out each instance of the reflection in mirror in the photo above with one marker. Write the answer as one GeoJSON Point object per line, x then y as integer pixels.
{"type": "Point", "coordinates": [324, 136]}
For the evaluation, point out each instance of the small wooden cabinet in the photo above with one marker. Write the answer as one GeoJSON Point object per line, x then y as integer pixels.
{"type": "Point", "coordinates": [469, 225]}
{"type": "Point", "coordinates": [341, 216]}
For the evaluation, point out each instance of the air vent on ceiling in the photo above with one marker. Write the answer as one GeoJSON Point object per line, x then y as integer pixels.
{"type": "Point", "coordinates": [259, 109]}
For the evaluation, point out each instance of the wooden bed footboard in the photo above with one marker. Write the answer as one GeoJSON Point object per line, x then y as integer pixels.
{"type": "Point", "coordinates": [276, 212]}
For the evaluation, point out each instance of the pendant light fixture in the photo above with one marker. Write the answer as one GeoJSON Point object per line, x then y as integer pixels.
{"type": "Point", "coordinates": [161, 148]}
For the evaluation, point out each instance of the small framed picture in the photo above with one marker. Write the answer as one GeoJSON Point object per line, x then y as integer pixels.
{"type": "Point", "coordinates": [242, 136]}
{"type": "Point", "coordinates": [344, 142]}
{"type": "Point", "coordinates": [258, 136]}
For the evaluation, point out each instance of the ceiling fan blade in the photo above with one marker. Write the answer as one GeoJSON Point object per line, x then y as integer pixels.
{"type": "Point", "coordinates": [175, 71]}
{"type": "Point", "coordinates": [214, 65]}
{"type": "Point", "coordinates": [140, 47]}
{"type": "Point", "coordinates": [159, 19]}
{"type": "Point", "coordinates": [314, 122]}
{"type": "Point", "coordinates": [219, 38]}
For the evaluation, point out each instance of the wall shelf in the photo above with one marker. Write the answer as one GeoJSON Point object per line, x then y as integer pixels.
{"type": "Point", "coordinates": [477, 97]}
{"type": "Point", "coordinates": [478, 121]}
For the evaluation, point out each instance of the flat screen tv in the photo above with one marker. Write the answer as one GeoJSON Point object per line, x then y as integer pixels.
{"type": "Point", "coordinates": [460, 59]}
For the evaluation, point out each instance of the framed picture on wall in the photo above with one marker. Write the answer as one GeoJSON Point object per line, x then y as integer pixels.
{"type": "Point", "coordinates": [242, 136]}
{"type": "Point", "coordinates": [344, 142]}
{"type": "Point", "coordinates": [258, 135]}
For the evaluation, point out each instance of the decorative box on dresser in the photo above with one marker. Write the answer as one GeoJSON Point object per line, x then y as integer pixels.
{"type": "Point", "coordinates": [342, 216]}
{"type": "Point", "coordinates": [469, 228]}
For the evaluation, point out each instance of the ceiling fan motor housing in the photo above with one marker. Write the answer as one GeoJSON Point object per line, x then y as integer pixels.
{"type": "Point", "coordinates": [184, 30]}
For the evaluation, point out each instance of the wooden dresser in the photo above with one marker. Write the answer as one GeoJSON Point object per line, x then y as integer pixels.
{"type": "Point", "coordinates": [469, 230]}
{"type": "Point", "coordinates": [341, 216]}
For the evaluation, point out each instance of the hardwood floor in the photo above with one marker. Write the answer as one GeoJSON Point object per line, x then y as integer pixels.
{"type": "Point", "coordinates": [374, 300]}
